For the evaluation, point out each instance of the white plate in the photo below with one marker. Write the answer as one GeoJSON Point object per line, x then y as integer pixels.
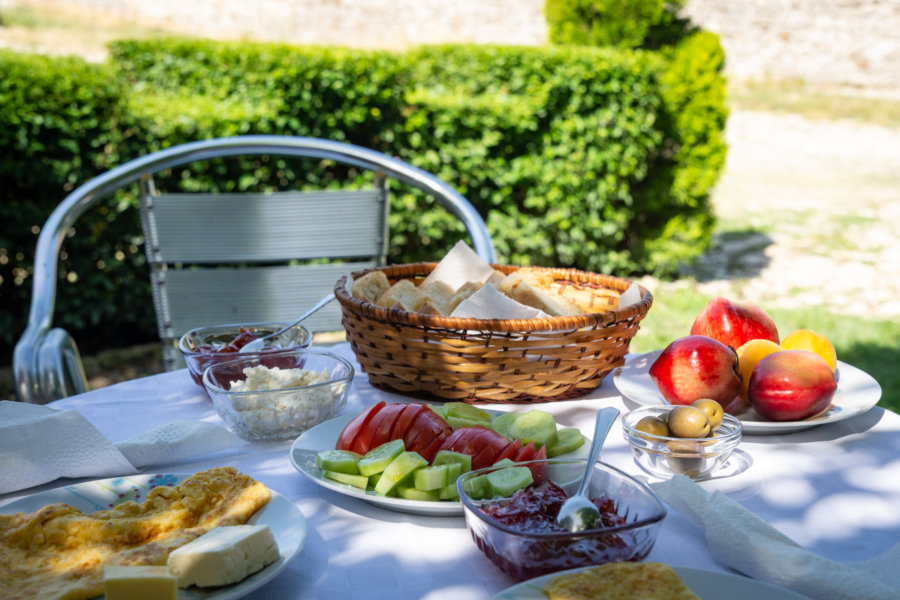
{"type": "Point", "coordinates": [709, 585]}
{"type": "Point", "coordinates": [323, 437]}
{"type": "Point", "coordinates": [287, 523]}
{"type": "Point", "coordinates": [857, 392]}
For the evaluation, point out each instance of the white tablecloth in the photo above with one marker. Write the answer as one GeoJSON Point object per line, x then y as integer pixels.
{"type": "Point", "coordinates": [834, 489]}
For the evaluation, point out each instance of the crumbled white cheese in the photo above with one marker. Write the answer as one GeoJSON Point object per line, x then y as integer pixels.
{"type": "Point", "coordinates": [289, 409]}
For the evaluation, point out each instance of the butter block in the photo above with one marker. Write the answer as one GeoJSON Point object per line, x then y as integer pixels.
{"type": "Point", "coordinates": [224, 556]}
{"type": "Point", "coordinates": [138, 583]}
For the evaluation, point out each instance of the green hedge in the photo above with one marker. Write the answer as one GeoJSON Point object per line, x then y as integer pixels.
{"type": "Point", "coordinates": [595, 158]}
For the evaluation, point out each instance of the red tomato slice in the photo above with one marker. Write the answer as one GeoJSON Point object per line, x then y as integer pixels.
{"type": "Point", "coordinates": [539, 472]}
{"type": "Point", "coordinates": [363, 441]}
{"type": "Point", "coordinates": [451, 439]}
{"type": "Point", "coordinates": [348, 435]}
{"type": "Point", "coordinates": [527, 453]}
{"type": "Point", "coordinates": [429, 451]}
{"type": "Point", "coordinates": [401, 425]}
{"type": "Point", "coordinates": [428, 424]}
{"type": "Point", "coordinates": [485, 458]}
{"type": "Point", "coordinates": [488, 447]}
{"type": "Point", "coordinates": [383, 423]}
{"type": "Point", "coordinates": [511, 451]}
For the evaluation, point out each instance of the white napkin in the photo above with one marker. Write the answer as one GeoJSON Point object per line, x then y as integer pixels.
{"type": "Point", "coordinates": [458, 267]}
{"type": "Point", "coordinates": [40, 444]}
{"type": "Point", "coordinates": [739, 539]}
{"type": "Point", "coordinates": [489, 303]}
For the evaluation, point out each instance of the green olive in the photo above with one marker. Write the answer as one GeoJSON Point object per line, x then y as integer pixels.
{"type": "Point", "coordinates": [688, 422]}
{"type": "Point", "coordinates": [714, 411]}
{"type": "Point", "coordinates": [685, 457]}
{"type": "Point", "coordinates": [653, 426]}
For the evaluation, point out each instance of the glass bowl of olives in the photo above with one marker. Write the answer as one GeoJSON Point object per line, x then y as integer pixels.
{"type": "Point", "coordinates": [693, 440]}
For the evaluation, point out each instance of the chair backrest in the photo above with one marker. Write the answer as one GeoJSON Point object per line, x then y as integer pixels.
{"type": "Point", "coordinates": [238, 258]}
{"type": "Point", "coordinates": [293, 228]}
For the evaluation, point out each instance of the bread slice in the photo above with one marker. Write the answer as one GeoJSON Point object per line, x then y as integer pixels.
{"type": "Point", "coordinates": [621, 581]}
{"type": "Point", "coordinates": [433, 299]}
{"type": "Point", "coordinates": [519, 287]}
{"type": "Point", "coordinates": [370, 286]}
{"type": "Point", "coordinates": [400, 295]}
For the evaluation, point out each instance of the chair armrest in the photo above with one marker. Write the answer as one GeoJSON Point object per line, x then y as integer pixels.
{"type": "Point", "coordinates": [47, 367]}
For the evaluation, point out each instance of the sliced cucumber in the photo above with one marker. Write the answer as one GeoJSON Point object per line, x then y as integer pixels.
{"type": "Point", "coordinates": [339, 461]}
{"type": "Point", "coordinates": [448, 456]}
{"type": "Point", "coordinates": [476, 487]}
{"type": "Point", "coordinates": [373, 481]}
{"type": "Point", "coordinates": [430, 478]}
{"type": "Point", "coordinates": [534, 426]}
{"type": "Point", "coordinates": [457, 422]}
{"type": "Point", "coordinates": [359, 481]}
{"type": "Point", "coordinates": [454, 470]}
{"type": "Point", "coordinates": [377, 459]}
{"type": "Point", "coordinates": [503, 423]}
{"type": "Point", "coordinates": [467, 411]}
{"type": "Point", "coordinates": [399, 469]}
{"type": "Point", "coordinates": [448, 492]}
{"type": "Point", "coordinates": [412, 493]}
{"type": "Point", "coordinates": [509, 480]}
{"type": "Point", "coordinates": [568, 439]}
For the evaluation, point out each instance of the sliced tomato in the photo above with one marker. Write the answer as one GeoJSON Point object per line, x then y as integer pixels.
{"type": "Point", "coordinates": [528, 452]}
{"type": "Point", "coordinates": [429, 451]}
{"type": "Point", "coordinates": [384, 423]}
{"type": "Point", "coordinates": [485, 458]}
{"type": "Point", "coordinates": [511, 451]}
{"type": "Point", "coordinates": [427, 425]}
{"type": "Point", "coordinates": [364, 440]}
{"type": "Point", "coordinates": [401, 425]}
{"type": "Point", "coordinates": [348, 435]}
{"type": "Point", "coordinates": [451, 439]}
{"type": "Point", "coordinates": [539, 471]}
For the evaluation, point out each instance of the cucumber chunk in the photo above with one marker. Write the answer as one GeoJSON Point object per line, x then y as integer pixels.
{"type": "Point", "coordinates": [430, 478]}
{"type": "Point", "coordinates": [448, 492]}
{"type": "Point", "coordinates": [503, 423]}
{"type": "Point", "coordinates": [534, 426]}
{"type": "Point", "coordinates": [467, 411]}
{"type": "Point", "coordinates": [359, 481]}
{"type": "Point", "coordinates": [477, 487]}
{"type": "Point", "coordinates": [399, 469]}
{"type": "Point", "coordinates": [448, 456]}
{"type": "Point", "coordinates": [568, 439]}
{"type": "Point", "coordinates": [454, 470]}
{"type": "Point", "coordinates": [412, 493]}
{"type": "Point", "coordinates": [509, 480]}
{"type": "Point", "coordinates": [377, 459]}
{"type": "Point", "coordinates": [457, 422]}
{"type": "Point", "coordinates": [339, 461]}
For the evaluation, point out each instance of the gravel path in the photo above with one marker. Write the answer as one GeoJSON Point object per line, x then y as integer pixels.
{"type": "Point", "coordinates": [820, 201]}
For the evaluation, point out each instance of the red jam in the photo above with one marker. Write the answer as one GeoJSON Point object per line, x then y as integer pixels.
{"type": "Point", "coordinates": [533, 511]}
{"type": "Point", "coordinates": [243, 338]}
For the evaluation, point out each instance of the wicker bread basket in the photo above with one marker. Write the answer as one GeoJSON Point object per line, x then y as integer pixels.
{"type": "Point", "coordinates": [492, 360]}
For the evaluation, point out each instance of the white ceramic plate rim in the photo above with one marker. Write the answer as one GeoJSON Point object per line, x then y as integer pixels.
{"type": "Point", "coordinates": [709, 585]}
{"type": "Point", "coordinates": [323, 437]}
{"type": "Point", "coordinates": [287, 523]}
{"type": "Point", "coordinates": [857, 392]}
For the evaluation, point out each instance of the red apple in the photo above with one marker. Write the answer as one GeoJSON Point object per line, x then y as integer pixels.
{"type": "Point", "coordinates": [694, 367]}
{"type": "Point", "coordinates": [791, 385]}
{"type": "Point", "coordinates": [734, 323]}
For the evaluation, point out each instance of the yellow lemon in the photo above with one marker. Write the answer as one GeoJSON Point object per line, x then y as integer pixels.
{"type": "Point", "coordinates": [749, 354]}
{"type": "Point", "coordinates": [806, 339]}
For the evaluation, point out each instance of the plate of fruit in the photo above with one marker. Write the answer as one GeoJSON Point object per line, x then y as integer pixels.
{"type": "Point", "coordinates": [408, 456]}
{"type": "Point", "coordinates": [736, 356]}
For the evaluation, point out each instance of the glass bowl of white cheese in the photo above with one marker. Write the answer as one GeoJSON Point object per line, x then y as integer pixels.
{"type": "Point", "coordinates": [261, 402]}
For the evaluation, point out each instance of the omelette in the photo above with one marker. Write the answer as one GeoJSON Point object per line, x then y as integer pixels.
{"type": "Point", "coordinates": [58, 552]}
{"type": "Point", "coordinates": [620, 581]}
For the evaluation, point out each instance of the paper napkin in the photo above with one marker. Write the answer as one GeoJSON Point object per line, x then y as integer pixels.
{"type": "Point", "coordinates": [460, 266]}
{"type": "Point", "coordinates": [40, 444]}
{"type": "Point", "coordinates": [744, 542]}
{"type": "Point", "coordinates": [490, 303]}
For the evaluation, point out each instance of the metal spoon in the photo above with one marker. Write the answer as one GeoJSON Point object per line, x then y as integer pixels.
{"type": "Point", "coordinates": [578, 513]}
{"type": "Point", "coordinates": [258, 344]}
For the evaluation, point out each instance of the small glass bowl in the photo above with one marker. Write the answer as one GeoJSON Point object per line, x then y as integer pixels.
{"type": "Point", "coordinates": [523, 555]}
{"type": "Point", "coordinates": [205, 346]}
{"type": "Point", "coordinates": [663, 457]}
{"type": "Point", "coordinates": [306, 388]}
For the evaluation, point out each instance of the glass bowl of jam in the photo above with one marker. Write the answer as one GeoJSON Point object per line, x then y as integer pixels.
{"type": "Point", "coordinates": [519, 533]}
{"type": "Point", "coordinates": [206, 346]}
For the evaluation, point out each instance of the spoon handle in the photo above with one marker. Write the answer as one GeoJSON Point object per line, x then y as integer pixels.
{"type": "Point", "coordinates": [605, 418]}
{"type": "Point", "coordinates": [322, 302]}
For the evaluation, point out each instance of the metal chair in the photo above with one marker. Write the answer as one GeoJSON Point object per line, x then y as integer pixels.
{"type": "Point", "coordinates": [187, 234]}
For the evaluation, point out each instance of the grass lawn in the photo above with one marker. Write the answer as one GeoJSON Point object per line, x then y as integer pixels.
{"type": "Point", "coordinates": [870, 345]}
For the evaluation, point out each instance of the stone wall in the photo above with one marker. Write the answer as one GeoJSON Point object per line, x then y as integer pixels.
{"type": "Point", "coordinates": [851, 43]}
